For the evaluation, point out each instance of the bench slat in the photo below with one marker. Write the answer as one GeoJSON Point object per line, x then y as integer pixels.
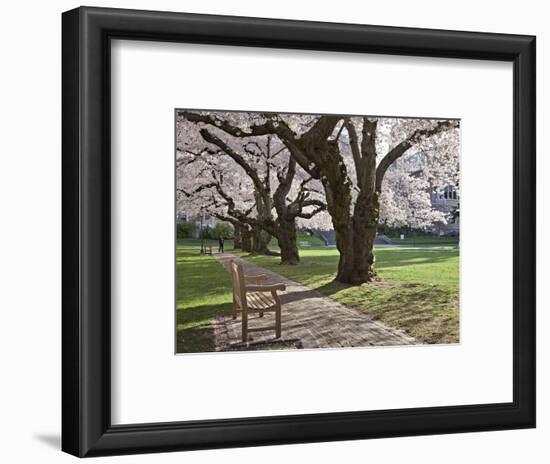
{"type": "Point", "coordinates": [260, 300]}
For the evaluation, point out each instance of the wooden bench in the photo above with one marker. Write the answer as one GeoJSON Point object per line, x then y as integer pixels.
{"type": "Point", "coordinates": [249, 296]}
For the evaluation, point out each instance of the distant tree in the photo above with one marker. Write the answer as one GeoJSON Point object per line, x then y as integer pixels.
{"type": "Point", "coordinates": [206, 233]}
{"type": "Point", "coordinates": [222, 230]}
{"type": "Point", "coordinates": [185, 231]}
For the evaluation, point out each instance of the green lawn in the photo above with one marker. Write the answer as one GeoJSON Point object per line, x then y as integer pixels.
{"type": "Point", "coordinates": [425, 239]}
{"type": "Point", "coordinates": [203, 289]}
{"type": "Point", "coordinates": [418, 290]}
{"type": "Point", "coordinates": [305, 241]}
{"type": "Point", "coordinates": [302, 241]}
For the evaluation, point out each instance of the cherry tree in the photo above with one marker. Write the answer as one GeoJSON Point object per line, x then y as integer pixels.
{"type": "Point", "coordinates": [352, 184]}
{"type": "Point", "coordinates": [406, 196]}
{"type": "Point", "coordinates": [202, 188]}
{"type": "Point", "coordinates": [279, 186]}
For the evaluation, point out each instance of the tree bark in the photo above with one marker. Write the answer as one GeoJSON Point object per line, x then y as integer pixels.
{"type": "Point", "coordinates": [360, 254]}
{"type": "Point", "coordinates": [260, 241]}
{"type": "Point", "coordinates": [338, 194]}
{"type": "Point", "coordinates": [286, 240]}
{"type": "Point", "coordinates": [246, 240]}
{"type": "Point", "coordinates": [355, 243]}
{"type": "Point", "coordinates": [237, 238]}
{"type": "Point", "coordinates": [358, 251]}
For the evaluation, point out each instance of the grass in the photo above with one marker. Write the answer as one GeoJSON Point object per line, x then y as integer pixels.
{"type": "Point", "coordinates": [302, 241]}
{"type": "Point", "coordinates": [203, 290]}
{"type": "Point", "coordinates": [424, 239]}
{"type": "Point", "coordinates": [418, 290]}
{"type": "Point", "coordinates": [307, 241]}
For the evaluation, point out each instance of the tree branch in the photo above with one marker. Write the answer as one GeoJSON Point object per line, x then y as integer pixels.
{"type": "Point", "coordinates": [250, 171]}
{"type": "Point", "coordinates": [355, 151]}
{"type": "Point", "coordinates": [260, 129]}
{"type": "Point", "coordinates": [312, 213]}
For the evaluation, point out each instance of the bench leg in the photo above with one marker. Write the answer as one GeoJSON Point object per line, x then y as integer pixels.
{"type": "Point", "coordinates": [234, 312]}
{"type": "Point", "coordinates": [245, 325]}
{"type": "Point", "coordinates": [261, 314]}
{"type": "Point", "coordinates": [278, 323]}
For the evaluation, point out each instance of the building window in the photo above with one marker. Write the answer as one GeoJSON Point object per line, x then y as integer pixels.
{"type": "Point", "coordinates": [449, 193]}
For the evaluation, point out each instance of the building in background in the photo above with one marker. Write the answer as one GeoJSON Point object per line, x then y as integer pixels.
{"type": "Point", "coordinates": [447, 201]}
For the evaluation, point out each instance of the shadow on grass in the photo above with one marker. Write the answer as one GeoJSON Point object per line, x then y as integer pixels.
{"type": "Point", "coordinates": [194, 330]}
{"type": "Point", "coordinates": [405, 258]}
{"type": "Point", "coordinates": [215, 289]}
{"type": "Point", "coordinates": [332, 287]}
{"type": "Point", "coordinates": [202, 292]}
{"type": "Point", "coordinates": [427, 312]}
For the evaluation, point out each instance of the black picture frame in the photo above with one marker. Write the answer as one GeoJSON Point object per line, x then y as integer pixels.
{"type": "Point", "coordinates": [86, 291]}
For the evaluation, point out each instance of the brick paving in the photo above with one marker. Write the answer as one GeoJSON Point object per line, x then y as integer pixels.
{"type": "Point", "coordinates": [309, 320]}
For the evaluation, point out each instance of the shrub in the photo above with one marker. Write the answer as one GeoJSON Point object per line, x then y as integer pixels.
{"type": "Point", "coordinates": [206, 233]}
{"type": "Point", "coordinates": [185, 231]}
{"type": "Point", "coordinates": [222, 229]}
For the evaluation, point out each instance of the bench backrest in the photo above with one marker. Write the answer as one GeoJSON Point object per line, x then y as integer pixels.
{"type": "Point", "coordinates": [237, 279]}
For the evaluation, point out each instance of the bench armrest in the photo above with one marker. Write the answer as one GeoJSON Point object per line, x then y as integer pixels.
{"type": "Point", "coordinates": [265, 288]}
{"type": "Point", "coordinates": [255, 278]}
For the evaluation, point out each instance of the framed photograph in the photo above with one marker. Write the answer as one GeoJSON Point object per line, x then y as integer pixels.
{"type": "Point", "coordinates": [271, 228]}
{"type": "Point", "coordinates": [284, 231]}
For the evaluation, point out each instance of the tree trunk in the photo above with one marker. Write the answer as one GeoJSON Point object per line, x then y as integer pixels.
{"type": "Point", "coordinates": [356, 247]}
{"type": "Point", "coordinates": [246, 240]}
{"type": "Point", "coordinates": [344, 244]}
{"type": "Point", "coordinates": [237, 238]}
{"type": "Point", "coordinates": [286, 238]}
{"type": "Point", "coordinates": [260, 241]}
{"type": "Point", "coordinates": [355, 230]}
{"type": "Point", "coordinates": [364, 223]}
{"type": "Point", "coordinates": [356, 242]}
{"type": "Point", "coordinates": [338, 195]}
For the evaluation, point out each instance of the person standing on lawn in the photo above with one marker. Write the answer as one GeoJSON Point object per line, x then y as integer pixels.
{"type": "Point", "coordinates": [220, 241]}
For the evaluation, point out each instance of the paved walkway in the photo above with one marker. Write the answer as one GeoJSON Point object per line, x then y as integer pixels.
{"type": "Point", "coordinates": [309, 320]}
